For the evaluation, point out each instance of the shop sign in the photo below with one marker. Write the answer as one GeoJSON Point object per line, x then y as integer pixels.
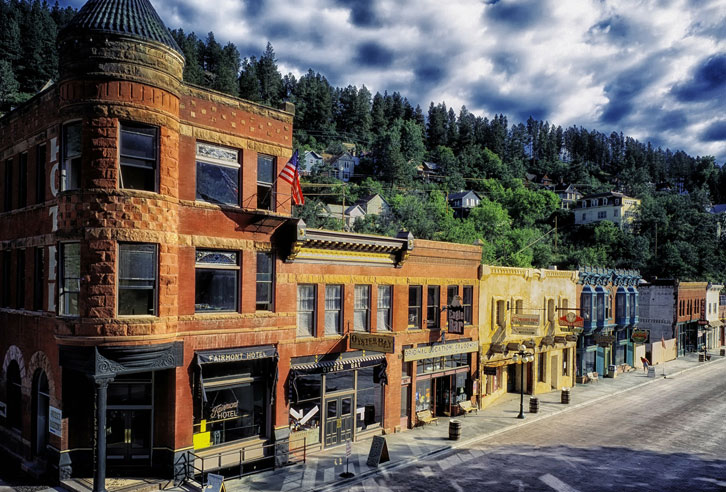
{"type": "Point", "coordinates": [524, 330]}
{"type": "Point", "coordinates": [235, 355]}
{"type": "Point", "coordinates": [570, 320]}
{"type": "Point", "coordinates": [604, 339]}
{"type": "Point", "coordinates": [372, 341]}
{"type": "Point", "coordinates": [419, 353]}
{"type": "Point", "coordinates": [455, 317]}
{"type": "Point", "coordinates": [525, 320]}
{"type": "Point", "coordinates": [55, 421]}
{"type": "Point", "coordinates": [224, 411]}
{"type": "Point", "coordinates": [490, 371]}
{"type": "Point", "coordinates": [640, 336]}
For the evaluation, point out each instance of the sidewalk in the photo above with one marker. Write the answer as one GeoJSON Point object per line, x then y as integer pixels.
{"type": "Point", "coordinates": [322, 470]}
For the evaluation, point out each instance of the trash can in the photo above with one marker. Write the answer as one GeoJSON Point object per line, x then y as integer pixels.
{"type": "Point", "coordinates": [454, 429]}
{"type": "Point", "coordinates": [565, 396]}
{"type": "Point", "coordinates": [533, 405]}
{"type": "Point", "coordinates": [701, 357]}
{"type": "Point", "coordinates": [723, 352]}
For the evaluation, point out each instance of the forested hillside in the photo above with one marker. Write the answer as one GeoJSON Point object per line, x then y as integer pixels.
{"type": "Point", "coordinates": [518, 222]}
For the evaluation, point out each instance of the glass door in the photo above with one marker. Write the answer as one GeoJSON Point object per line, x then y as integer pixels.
{"type": "Point", "coordinates": [338, 419]}
{"type": "Point", "coordinates": [128, 437]}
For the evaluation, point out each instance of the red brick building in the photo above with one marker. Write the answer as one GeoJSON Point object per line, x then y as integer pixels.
{"type": "Point", "coordinates": [690, 309]}
{"type": "Point", "coordinates": [157, 300]}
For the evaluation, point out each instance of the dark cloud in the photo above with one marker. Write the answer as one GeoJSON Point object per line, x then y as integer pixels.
{"type": "Point", "coordinates": [624, 90]}
{"type": "Point", "coordinates": [362, 12]}
{"type": "Point", "coordinates": [519, 106]}
{"type": "Point", "coordinates": [520, 15]}
{"type": "Point", "coordinates": [372, 54]}
{"type": "Point", "coordinates": [254, 8]}
{"type": "Point", "coordinates": [430, 74]}
{"type": "Point", "coordinates": [296, 31]}
{"type": "Point", "coordinates": [670, 120]}
{"type": "Point", "coordinates": [708, 82]}
{"type": "Point", "coordinates": [715, 132]}
{"type": "Point", "coordinates": [508, 62]}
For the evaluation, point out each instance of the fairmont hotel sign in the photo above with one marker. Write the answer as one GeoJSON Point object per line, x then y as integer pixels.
{"type": "Point", "coordinates": [440, 350]}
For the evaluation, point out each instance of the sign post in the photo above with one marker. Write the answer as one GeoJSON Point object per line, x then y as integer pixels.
{"type": "Point", "coordinates": [348, 452]}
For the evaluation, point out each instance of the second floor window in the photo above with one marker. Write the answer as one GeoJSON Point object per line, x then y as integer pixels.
{"type": "Point", "coordinates": [333, 309]}
{"type": "Point", "coordinates": [20, 280]}
{"type": "Point", "coordinates": [384, 308]}
{"type": "Point", "coordinates": [501, 314]}
{"type": "Point", "coordinates": [138, 157]}
{"type": "Point", "coordinates": [264, 281]}
{"type": "Point", "coordinates": [586, 306]}
{"type": "Point", "coordinates": [137, 272]}
{"type": "Point", "coordinates": [23, 180]}
{"type": "Point", "coordinates": [432, 307]}
{"type": "Point", "coordinates": [361, 313]}
{"type": "Point", "coordinates": [265, 178]}
{"type": "Point", "coordinates": [467, 302]}
{"type": "Point", "coordinates": [8, 188]}
{"type": "Point", "coordinates": [39, 278]}
{"type": "Point", "coordinates": [70, 278]}
{"type": "Point", "coordinates": [216, 286]}
{"type": "Point", "coordinates": [620, 305]}
{"type": "Point", "coordinates": [40, 152]}
{"type": "Point", "coordinates": [414, 307]}
{"type": "Point", "coordinates": [71, 164]}
{"type": "Point", "coordinates": [306, 310]}
{"type": "Point", "coordinates": [218, 174]}
{"type": "Point", "coordinates": [634, 305]}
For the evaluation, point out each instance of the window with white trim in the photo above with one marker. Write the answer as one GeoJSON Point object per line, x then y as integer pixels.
{"type": "Point", "coordinates": [218, 174]}
{"type": "Point", "coordinates": [138, 156]}
{"type": "Point", "coordinates": [216, 283]}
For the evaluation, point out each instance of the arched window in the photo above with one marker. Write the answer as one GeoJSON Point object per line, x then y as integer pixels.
{"type": "Point", "coordinates": [14, 399]}
{"type": "Point", "coordinates": [41, 401]}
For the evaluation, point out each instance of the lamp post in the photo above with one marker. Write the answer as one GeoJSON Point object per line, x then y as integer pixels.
{"type": "Point", "coordinates": [522, 357]}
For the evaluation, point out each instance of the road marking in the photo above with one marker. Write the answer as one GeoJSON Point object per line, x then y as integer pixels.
{"type": "Point", "coordinates": [427, 472]}
{"type": "Point", "coordinates": [556, 483]}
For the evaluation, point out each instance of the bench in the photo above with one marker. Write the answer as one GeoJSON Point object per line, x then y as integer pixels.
{"type": "Point", "coordinates": [592, 376]}
{"type": "Point", "coordinates": [465, 407]}
{"type": "Point", "coordinates": [426, 417]}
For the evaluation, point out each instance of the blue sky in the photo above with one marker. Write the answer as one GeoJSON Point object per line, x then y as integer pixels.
{"type": "Point", "coordinates": [653, 69]}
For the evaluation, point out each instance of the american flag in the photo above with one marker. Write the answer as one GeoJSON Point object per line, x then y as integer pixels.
{"type": "Point", "coordinates": [290, 174]}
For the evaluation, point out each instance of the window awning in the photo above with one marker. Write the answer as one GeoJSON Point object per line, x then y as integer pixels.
{"type": "Point", "coordinates": [339, 365]}
{"type": "Point", "coordinates": [236, 354]}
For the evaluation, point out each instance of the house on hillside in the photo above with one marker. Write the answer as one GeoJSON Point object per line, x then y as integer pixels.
{"type": "Point", "coordinates": [428, 171]}
{"type": "Point", "coordinates": [462, 202]}
{"type": "Point", "coordinates": [373, 204]}
{"type": "Point", "coordinates": [344, 166]}
{"type": "Point", "coordinates": [310, 160]}
{"type": "Point", "coordinates": [349, 215]}
{"type": "Point", "coordinates": [612, 206]}
{"type": "Point", "coordinates": [569, 195]}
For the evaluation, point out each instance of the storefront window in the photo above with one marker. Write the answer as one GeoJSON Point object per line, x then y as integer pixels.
{"type": "Point", "coordinates": [369, 400]}
{"type": "Point", "coordinates": [339, 381]}
{"type": "Point", "coordinates": [237, 399]}
{"type": "Point", "coordinates": [460, 393]}
{"type": "Point", "coordinates": [423, 395]}
{"type": "Point", "coordinates": [405, 402]}
{"type": "Point", "coordinates": [590, 360]}
{"type": "Point", "coordinates": [305, 407]}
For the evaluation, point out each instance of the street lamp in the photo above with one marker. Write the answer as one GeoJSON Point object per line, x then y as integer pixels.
{"type": "Point", "coordinates": [522, 357]}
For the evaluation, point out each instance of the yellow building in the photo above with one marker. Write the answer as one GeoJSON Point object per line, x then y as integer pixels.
{"type": "Point", "coordinates": [612, 206]}
{"type": "Point", "coordinates": [521, 307]}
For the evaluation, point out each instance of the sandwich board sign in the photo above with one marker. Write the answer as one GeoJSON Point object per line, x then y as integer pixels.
{"type": "Point", "coordinates": [379, 451]}
{"type": "Point", "coordinates": [215, 483]}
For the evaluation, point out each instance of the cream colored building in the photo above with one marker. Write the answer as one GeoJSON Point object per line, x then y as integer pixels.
{"type": "Point", "coordinates": [522, 306]}
{"type": "Point", "coordinates": [612, 206]}
{"type": "Point", "coordinates": [712, 315]}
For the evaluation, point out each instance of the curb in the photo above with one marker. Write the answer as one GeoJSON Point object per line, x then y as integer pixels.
{"type": "Point", "coordinates": [383, 469]}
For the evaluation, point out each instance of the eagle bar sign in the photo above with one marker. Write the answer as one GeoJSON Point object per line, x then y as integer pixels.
{"type": "Point", "coordinates": [372, 341]}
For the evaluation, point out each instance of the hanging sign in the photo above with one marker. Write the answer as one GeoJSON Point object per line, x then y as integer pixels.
{"type": "Point", "coordinates": [379, 451]}
{"type": "Point", "coordinates": [55, 421]}
{"type": "Point", "coordinates": [570, 320]}
{"type": "Point", "coordinates": [372, 341]}
{"type": "Point", "coordinates": [525, 319]}
{"type": "Point", "coordinates": [455, 318]}
{"type": "Point", "coordinates": [640, 336]}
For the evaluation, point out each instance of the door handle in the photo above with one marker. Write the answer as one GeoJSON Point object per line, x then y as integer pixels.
{"type": "Point", "coordinates": [127, 436]}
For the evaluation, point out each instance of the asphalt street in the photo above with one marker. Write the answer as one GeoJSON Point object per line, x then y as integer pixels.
{"type": "Point", "coordinates": [665, 436]}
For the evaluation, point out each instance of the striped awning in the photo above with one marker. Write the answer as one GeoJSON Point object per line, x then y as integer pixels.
{"type": "Point", "coordinates": [340, 364]}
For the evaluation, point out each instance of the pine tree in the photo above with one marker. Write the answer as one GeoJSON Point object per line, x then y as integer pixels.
{"type": "Point", "coordinates": [249, 83]}
{"type": "Point", "coordinates": [269, 77]}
